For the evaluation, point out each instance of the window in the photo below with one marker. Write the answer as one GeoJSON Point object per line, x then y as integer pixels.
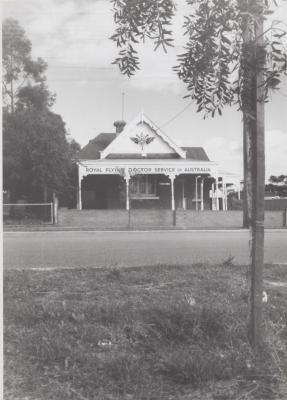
{"type": "Point", "coordinates": [143, 186]}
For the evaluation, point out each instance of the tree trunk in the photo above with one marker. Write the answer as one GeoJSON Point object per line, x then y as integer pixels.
{"type": "Point", "coordinates": [254, 162]}
{"type": "Point", "coordinates": [249, 114]}
{"type": "Point", "coordinates": [248, 128]}
{"type": "Point", "coordinates": [258, 192]}
{"type": "Point", "coordinates": [12, 89]}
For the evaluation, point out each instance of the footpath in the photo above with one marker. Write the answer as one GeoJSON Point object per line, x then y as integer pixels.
{"type": "Point", "coordinates": [57, 228]}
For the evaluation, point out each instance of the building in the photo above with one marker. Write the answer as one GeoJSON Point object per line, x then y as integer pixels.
{"type": "Point", "coordinates": [139, 166]}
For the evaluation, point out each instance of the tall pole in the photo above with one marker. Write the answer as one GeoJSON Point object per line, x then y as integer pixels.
{"type": "Point", "coordinates": [248, 128]}
{"type": "Point", "coordinates": [258, 192]}
{"type": "Point", "coordinates": [249, 107]}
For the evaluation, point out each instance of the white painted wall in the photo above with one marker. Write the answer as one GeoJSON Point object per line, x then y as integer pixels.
{"type": "Point", "coordinates": [124, 144]}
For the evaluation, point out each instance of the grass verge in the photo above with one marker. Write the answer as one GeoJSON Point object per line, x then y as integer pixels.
{"type": "Point", "coordinates": [162, 332]}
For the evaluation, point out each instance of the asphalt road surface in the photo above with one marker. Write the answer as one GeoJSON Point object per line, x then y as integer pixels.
{"type": "Point", "coordinates": [99, 249]}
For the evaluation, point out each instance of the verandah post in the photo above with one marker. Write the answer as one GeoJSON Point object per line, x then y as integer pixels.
{"type": "Point", "coordinates": [55, 208]}
{"type": "Point", "coordinates": [171, 177]}
{"type": "Point", "coordinates": [79, 199]}
{"type": "Point", "coordinates": [183, 194]}
{"type": "Point", "coordinates": [127, 180]}
{"type": "Point", "coordinates": [216, 194]}
{"type": "Point", "coordinates": [196, 192]}
{"type": "Point", "coordinates": [201, 195]}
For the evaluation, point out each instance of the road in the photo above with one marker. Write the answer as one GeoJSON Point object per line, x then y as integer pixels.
{"type": "Point", "coordinates": [99, 249]}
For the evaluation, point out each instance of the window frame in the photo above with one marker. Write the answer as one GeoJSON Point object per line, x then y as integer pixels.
{"type": "Point", "coordinates": [137, 182]}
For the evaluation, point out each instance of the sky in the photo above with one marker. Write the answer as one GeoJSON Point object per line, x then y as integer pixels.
{"type": "Point", "coordinates": [73, 37]}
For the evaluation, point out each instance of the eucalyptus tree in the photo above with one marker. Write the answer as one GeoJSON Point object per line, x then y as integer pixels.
{"type": "Point", "coordinates": [19, 69]}
{"type": "Point", "coordinates": [227, 60]}
{"type": "Point", "coordinates": [37, 156]}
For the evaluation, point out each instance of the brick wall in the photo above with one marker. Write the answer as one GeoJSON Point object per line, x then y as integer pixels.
{"type": "Point", "coordinates": [98, 219]}
{"type": "Point", "coordinates": [115, 219]}
{"type": "Point", "coordinates": [138, 218]}
{"type": "Point", "coordinates": [189, 219]}
{"type": "Point", "coordinates": [151, 218]}
{"type": "Point", "coordinates": [276, 204]}
{"type": "Point", "coordinates": [274, 219]}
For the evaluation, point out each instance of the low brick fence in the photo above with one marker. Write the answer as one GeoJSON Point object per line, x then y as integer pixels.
{"type": "Point", "coordinates": [151, 218]}
{"type": "Point", "coordinates": [98, 219]}
{"type": "Point", "coordinates": [279, 204]}
{"type": "Point", "coordinates": [181, 219]}
{"type": "Point", "coordinates": [188, 219]}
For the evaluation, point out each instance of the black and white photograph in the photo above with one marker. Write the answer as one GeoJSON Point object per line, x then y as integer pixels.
{"type": "Point", "coordinates": [144, 199]}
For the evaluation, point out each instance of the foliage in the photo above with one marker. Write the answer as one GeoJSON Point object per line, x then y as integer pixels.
{"type": "Point", "coordinates": [277, 186]}
{"type": "Point", "coordinates": [68, 193]}
{"type": "Point", "coordinates": [22, 76]}
{"type": "Point", "coordinates": [37, 97]}
{"type": "Point", "coordinates": [278, 179]}
{"type": "Point", "coordinates": [37, 157]}
{"type": "Point", "coordinates": [137, 20]}
{"type": "Point", "coordinates": [221, 56]}
{"type": "Point", "coordinates": [35, 153]}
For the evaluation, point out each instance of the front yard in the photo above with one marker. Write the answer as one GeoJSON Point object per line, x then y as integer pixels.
{"type": "Point", "coordinates": [150, 333]}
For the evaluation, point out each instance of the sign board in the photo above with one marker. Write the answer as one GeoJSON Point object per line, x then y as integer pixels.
{"type": "Point", "coordinates": [144, 169]}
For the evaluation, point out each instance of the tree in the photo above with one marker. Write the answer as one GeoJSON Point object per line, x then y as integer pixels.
{"type": "Point", "coordinates": [220, 59]}
{"type": "Point", "coordinates": [68, 194]}
{"type": "Point", "coordinates": [35, 97]}
{"type": "Point", "coordinates": [19, 69]}
{"type": "Point", "coordinates": [218, 54]}
{"type": "Point", "coordinates": [277, 186]}
{"type": "Point", "coordinates": [228, 59]}
{"type": "Point", "coordinates": [278, 179]}
{"type": "Point", "coordinates": [37, 157]}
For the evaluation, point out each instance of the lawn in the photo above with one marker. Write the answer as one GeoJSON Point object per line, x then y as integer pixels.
{"type": "Point", "coordinates": [149, 333]}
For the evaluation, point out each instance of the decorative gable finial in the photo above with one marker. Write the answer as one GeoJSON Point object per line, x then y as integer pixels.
{"type": "Point", "coordinates": [142, 139]}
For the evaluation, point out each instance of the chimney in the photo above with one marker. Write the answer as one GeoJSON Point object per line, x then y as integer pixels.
{"type": "Point", "coordinates": [119, 126]}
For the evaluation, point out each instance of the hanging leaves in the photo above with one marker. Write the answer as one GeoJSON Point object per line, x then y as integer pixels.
{"type": "Point", "coordinates": [221, 57]}
{"type": "Point", "coordinates": [137, 20]}
{"type": "Point", "coordinates": [205, 66]}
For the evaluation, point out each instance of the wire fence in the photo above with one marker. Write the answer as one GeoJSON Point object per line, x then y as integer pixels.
{"type": "Point", "coordinates": [28, 213]}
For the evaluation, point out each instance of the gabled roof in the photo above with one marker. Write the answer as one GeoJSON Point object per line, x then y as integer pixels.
{"type": "Point", "coordinates": [105, 145]}
{"type": "Point", "coordinates": [92, 151]}
{"type": "Point", "coordinates": [196, 153]}
{"type": "Point", "coordinates": [129, 128]}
